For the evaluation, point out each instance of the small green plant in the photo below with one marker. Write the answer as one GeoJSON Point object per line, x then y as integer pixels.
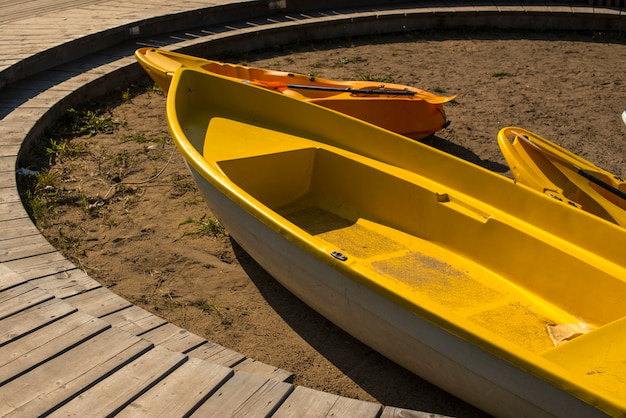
{"type": "Point", "coordinates": [36, 205]}
{"type": "Point", "coordinates": [65, 148]}
{"type": "Point", "coordinates": [499, 74]}
{"type": "Point", "coordinates": [89, 206]}
{"type": "Point", "coordinates": [126, 96]}
{"type": "Point", "coordinates": [351, 60]}
{"type": "Point", "coordinates": [206, 226]}
{"type": "Point", "coordinates": [141, 139]}
{"type": "Point", "coordinates": [85, 203]}
{"type": "Point", "coordinates": [182, 185]}
{"type": "Point", "coordinates": [319, 64]}
{"type": "Point", "coordinates": [110, 222]}
{"type": "Point", "coordinates": [206, 306]}
{"type": "Point", "coordinates": [388, 78]}
{"type": "Point", "coordinates": [67, 242]}
{"type": "Point", "coordinates": [193, 201]}
{"type": "Point", "coordinates": [39, 193]}
{"type": "Point", "coordinates": [46, 180]}
{"type": "Point", "coordinates": [439, 90]}
{"type": "Point", "coordinates": [121, 159]}
{"type": "Point", "coordinates": [89, 122]}
{"type": "Point", "coordinates": [130, 201]}
{"type": "Point", "coordinates": [154, 88]}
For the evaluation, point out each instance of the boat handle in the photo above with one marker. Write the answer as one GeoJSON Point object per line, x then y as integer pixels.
{"type": "Point", "coordinates": [339, 256]}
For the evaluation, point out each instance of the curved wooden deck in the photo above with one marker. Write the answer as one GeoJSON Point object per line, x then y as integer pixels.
{"type": "Point", "coordinates": [68, 346]}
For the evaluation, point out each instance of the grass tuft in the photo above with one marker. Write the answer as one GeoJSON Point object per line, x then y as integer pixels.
{"type": "Point", "coordinates": [384, 78]}
{"type": "Point", "coordinates": [89, 122]}
{"type": "Point", "coordinates": [206, 226]}
{"type": "Point", "coordinates": [499, 74]}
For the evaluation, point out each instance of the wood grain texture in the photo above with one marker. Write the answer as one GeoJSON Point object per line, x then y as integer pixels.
{"type": "Point", "coordinates": [181, 392]}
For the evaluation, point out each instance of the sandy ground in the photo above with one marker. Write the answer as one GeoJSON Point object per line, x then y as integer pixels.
{"type": "Point", "coordinates": [126, 210]}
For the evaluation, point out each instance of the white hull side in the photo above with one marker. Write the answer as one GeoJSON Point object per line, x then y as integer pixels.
{"type": "Point", "coordinates": [430, 352]}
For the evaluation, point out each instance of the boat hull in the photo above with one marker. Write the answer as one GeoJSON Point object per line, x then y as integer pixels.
{"type": "Point", "coordinates": [444, 359]}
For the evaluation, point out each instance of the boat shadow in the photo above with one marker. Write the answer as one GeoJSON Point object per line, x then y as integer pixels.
{"type": "Point", "coordinates": [466, 154]}
{"type": "Point", "coordinates": [387, 382]}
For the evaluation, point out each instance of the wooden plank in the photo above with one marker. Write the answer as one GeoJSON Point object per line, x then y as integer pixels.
{"type": "Point", "coordinates": [7, 185]}
{"type": "Point", "coordinates": [134, 320]}
{"type": "Point", "coordinates": [31, 99]}
{"type": "Point", "coordinates": [392, 412]}
{"type": "Point", "coordinates": [7, 163]}
{"type": "Point", "coordinates": [264, 370]}
{"type": "Point", "coordinates": [25, 116]}
{"type": "Point", "coordinates": [21, 297]}
{"type": "Point", "coordinates": [12, 210]}
{"type": "Point", "coordinates": [305, 402]}
{"type": "Point", "coordinates": [33, 318]}
{"type": "Point", "coordinates": [40, 265]}
{"type": "Point", "coordinates": [46, 342]}
{"type": "Point", "coordinates": [173, 338]}
{"type": "Point", "coordinates": [10, 151]}
{"type": "Point", "coordinates": [22, 247]}
{"type": "Point", "coordinates": [13, 133]}
{"type": "Point", "coordinates": [67, 375]}
{"type": "Point", "coordinates": [15, 291]}
{"type": "Point", "coordinates": [20, 227]}
{"type": "Point", "coordinates": [19, 10]}
{"type": "Point", "coordinates": [217, 354]}
{"type": "Point", "coordinates": [245, 395]}
{"type": "Point", "coordinates": [9, 278]}
{"type": "Point", "coordinates": [124, 386]}
{"type": "Point", "coordinates": [180, 392]}
{"type": "Point", "coordinates": [8, 194]}
{"type": "Point", "coordinates": [28, 92]}
{"type": "Point", "coordinates": [98, 302]}
{"type": "Point", "coordinates": [66, 283]}
{"type": "Point", "coordinates": [51, 79]}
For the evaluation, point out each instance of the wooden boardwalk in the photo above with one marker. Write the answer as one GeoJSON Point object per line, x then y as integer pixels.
{"type": "Point", "coordinates": [68, 346]}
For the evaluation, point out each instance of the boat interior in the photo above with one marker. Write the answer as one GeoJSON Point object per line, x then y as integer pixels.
{"type": "Point", "coordinates": [435, 243]}
{"type": "Point", "coordinates": [561, 180]}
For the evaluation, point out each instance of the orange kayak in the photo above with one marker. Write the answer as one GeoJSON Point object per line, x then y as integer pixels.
{"type": "Point", "coordinates": [405, 110]}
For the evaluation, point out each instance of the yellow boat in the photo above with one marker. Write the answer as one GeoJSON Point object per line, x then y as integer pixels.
{"type": "Point", "coordinates": [563, 175]}
{"type": "Point", "coordinates": [506, 299]}
{"type": "Point", "coordinates": [402, 109]}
